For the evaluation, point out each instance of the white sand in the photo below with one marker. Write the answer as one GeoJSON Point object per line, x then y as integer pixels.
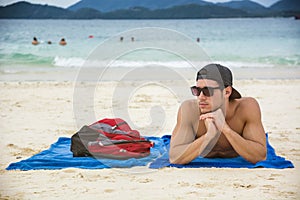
{"type": "Point", "coordinates": [34, 114]}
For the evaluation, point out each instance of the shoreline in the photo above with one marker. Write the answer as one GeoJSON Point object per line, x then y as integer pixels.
{"type": "Point", "coordinates": [114, 74]}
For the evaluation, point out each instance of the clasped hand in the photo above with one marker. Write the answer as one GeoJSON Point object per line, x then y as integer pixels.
{"type": "Point", "coordinates": [216, 117]}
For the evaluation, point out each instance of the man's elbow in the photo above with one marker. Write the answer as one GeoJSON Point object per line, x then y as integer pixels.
{"type": "Point", "coordinates": [173, 158]}
{"type": "Point", "coordinates": [263, 156]}
{"type": "Point", "coordinates": [172, 161]}
{"type": "Point", "coordinates": [258, 158]}
{"type": "Point", "coordinates": [176, 159]}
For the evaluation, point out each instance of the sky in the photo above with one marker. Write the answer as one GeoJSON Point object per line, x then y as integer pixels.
{"type": "Point", "coordinates": [67, 3]}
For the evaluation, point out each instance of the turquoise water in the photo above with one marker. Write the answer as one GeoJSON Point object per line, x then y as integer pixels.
{"type": "Point", "coordinates": [268, 42]}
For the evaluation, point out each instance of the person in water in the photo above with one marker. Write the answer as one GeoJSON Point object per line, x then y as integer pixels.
{"type": "Point", "coordinates": [219, 123]}
{"type": "Point", "coordinates": [35, 41]}
{"type": "Point", "coordinates": [62, 42]}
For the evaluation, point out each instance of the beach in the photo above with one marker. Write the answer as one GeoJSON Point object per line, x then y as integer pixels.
{"type": "Point", "coordinates": [51, 91]}
{"type": "Point", "coordinates": [35, 113]}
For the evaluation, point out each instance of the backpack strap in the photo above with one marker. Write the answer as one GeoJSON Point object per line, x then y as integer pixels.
{"type": "Point", "coordinates": [118, 124]}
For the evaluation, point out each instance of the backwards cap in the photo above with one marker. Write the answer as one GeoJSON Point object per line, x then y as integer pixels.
{"type": "Point", "coordinates": [220, 74]}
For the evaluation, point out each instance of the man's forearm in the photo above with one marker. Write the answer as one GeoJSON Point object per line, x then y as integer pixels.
{"type": "Point", "coordinates": [184, 154]}
{"type": "Point", "coordinates": [249, 150]}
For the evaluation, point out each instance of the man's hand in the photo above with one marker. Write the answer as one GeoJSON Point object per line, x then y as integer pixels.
{"type": "Point", "coordinates": [217, 117]}
{"type": "Point", "coordinates": [211, 128]}
{"type": "Point", "coordinates": [210, 138]}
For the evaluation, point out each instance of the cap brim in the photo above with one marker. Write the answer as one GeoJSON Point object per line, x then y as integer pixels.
{"type": "Point", "coordinates": [235, 94]}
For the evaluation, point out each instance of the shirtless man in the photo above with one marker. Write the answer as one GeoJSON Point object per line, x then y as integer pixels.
{"type": "Point", "coordinates": [63, 42]}
{"type": "Point", "coordinates": [220, 123]}
{"type": "Point", "coordinates": [35, 41]}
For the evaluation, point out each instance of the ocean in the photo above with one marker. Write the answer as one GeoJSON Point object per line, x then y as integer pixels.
{"type": "Point", "coordinates": [237, 43]}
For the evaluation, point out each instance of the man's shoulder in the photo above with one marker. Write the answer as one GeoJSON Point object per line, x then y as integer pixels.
{"type": "Point", "coordinates": [189, 102]}
{"type": "Point", "coordinates": [189, 110]}
{"type": "Point", "coordinates": [247, 105]}
{"type": "Point", "coordinates": [190, 105]}
{"type": "Point", "coordinates": [247, 101]}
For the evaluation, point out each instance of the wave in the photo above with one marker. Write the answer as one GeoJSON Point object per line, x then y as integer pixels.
{"type": "Point", "coordinates": [281, 61]}
{"type": "Point", "coordinates": [79, 62]}
{"type": "Point", "coordinates": [31, 60]}
{"type": "Point", "coordinates": [68, 62]}
{"type": "Point", "coordinates": [24, 58]}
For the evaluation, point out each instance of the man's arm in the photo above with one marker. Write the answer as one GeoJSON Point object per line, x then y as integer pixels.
{"type": "Point", "coordinates": [184, 147]}
{"type": "Point", "coordinates": [251, 145]}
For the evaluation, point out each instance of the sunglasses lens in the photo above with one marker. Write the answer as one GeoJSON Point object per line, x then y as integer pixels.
{"type": "Point", "coordinates": [195, 91]}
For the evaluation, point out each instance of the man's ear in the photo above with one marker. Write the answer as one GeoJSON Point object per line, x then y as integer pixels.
{"type": "Point", "coordinates": [228, 91]}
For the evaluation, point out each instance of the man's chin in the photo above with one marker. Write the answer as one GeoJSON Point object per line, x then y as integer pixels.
{"type": "Point", "coordinates": [204, 111]}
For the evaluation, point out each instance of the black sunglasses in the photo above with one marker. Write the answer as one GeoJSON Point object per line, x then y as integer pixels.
{"type": "Point", "coordinates": [207, 91]}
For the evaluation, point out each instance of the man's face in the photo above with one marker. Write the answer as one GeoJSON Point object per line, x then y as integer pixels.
{"type": "Point", "coordinates": [210, 102]}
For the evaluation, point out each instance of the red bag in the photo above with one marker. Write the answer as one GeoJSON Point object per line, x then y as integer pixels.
{"type": "Point", "coordinates": [115, 140]}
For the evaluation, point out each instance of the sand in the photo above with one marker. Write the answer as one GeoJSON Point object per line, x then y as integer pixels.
{"type": "Point", "coordinates": [34, 114]}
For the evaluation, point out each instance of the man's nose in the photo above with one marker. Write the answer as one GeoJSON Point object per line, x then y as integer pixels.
{"type": "Point", "coordinates": [201, 96]}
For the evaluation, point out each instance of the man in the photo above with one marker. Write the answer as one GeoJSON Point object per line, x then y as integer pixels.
{"type": "Point", "coordinates": [35, 41]}
{"type": "Point", "coordinates": [63, 42]}
{"type": "Point", "coordinates": [220, 123]}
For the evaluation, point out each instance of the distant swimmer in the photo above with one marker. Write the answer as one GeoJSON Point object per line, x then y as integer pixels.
{"type": "Point", "coordinates": [132, 39]}
{"type": "Point", "coordinates": [35, 41]}
{"type": "Point", "coordinates": [49, 42]}
{"type": "Point", "coordinates": [198, 39]}
{"type": "Point", "coordinates": [121, 39]}
{"type": "Point", "coordinates": [62, 42]}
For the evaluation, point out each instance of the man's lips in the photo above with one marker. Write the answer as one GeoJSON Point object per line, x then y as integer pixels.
{"type": "Point", "coordinates": [202, 105]}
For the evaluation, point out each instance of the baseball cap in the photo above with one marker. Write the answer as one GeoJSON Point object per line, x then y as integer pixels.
{"type": "Point", "coordinates": [221, 74]}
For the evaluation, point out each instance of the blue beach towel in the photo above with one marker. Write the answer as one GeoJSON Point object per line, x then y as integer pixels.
{"type": "Point", "coordinates": [59, 156]}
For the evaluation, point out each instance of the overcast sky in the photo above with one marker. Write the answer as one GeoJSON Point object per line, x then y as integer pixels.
{"type": "Point", "coordinates": [67, 3]}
